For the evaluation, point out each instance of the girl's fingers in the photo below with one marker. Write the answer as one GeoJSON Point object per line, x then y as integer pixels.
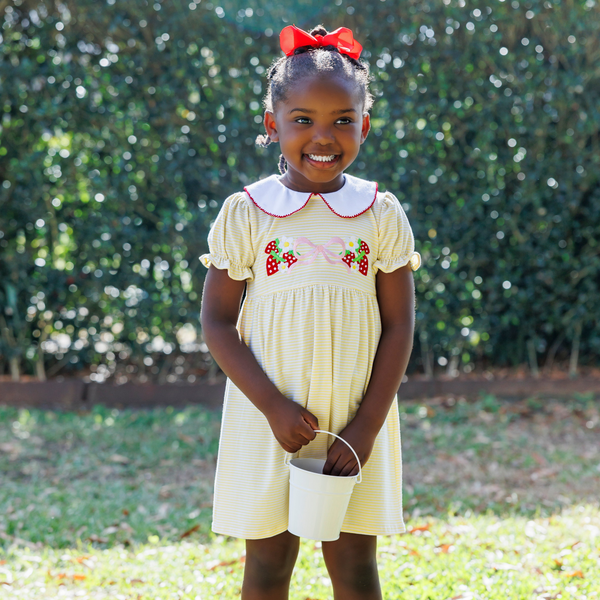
{"type": "Point", "coordinates": [310, 419]}
{"type": "Point", "coordinates": [335, 461]}
{"type": "Point", "coordinates": [340, 462]}
{"type": "Point", "coordinates": [350, 469]}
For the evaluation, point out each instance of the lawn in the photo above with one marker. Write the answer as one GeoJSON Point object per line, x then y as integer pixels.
{"type": "Point", "coordinates": [501, 501]}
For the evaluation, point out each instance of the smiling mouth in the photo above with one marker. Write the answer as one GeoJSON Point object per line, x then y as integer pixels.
{"type": "Point", "coordinates": [323, 160]}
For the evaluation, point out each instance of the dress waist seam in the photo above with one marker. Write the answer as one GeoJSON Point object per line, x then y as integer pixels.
{"type": "Point", "coordinates": [255, 296]}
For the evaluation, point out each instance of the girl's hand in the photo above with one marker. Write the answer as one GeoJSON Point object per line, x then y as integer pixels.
{"type": "Point", "coordinates": [340, 460]}
{"type": "Point", "coordinates": [292, 425]}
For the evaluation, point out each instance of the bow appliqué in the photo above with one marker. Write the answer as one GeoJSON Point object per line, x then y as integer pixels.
{"type": "Point", "coordinates": [285, 256]}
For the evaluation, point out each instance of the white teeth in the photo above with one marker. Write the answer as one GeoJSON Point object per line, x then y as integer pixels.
{"type": "Point", "coordinates": [320, 158]}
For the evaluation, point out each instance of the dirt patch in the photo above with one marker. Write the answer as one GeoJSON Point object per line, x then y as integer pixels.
{"type": "Point", "coordinates": [512, 457]}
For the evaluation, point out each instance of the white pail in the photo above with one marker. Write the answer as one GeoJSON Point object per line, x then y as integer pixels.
{"type": "Point", "coordinates": [318, 502]}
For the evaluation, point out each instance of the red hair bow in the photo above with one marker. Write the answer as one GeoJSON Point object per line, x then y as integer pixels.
{"type": "Point", "coordinates": [292, 37]}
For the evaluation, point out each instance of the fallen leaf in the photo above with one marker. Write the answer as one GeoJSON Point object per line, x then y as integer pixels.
{"type": "Point", "coordinates": [74, 576]}
{"type": "Point", "coordinates": [444, 548]}
{"type": "Point", "coordinates": [110, 529]}
{"type": "Point", "coordinates": [543, 473]}
{"type": "Point", "coordinates": [577, 573]}
{"type": "Point", "coordinates": [136, 581]}
{"type": "Point", "coordinates": [95, 538]}
{"type": "Point", "coordinates": [165, 492]}
{"type": "Point", "coordinates": [125, 512]}
{"type": "Point", "coordinates": [417, 528]}
{"type": "Point", "coordinates": [540, 460]}
{"type": "Point", "coordinates": [189, 531]}
{"type": "Point", "coordinates": [188, 439]}
{"type": "Point", "coordinates": [118, 458]}
{"type": "Point", "coordinates": [2, 562]}
{"type": "Point", "coordinates": [413, 553]}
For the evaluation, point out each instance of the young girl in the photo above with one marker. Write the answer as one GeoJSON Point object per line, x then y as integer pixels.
{"type": "Point", "coordinates": [325, 330]}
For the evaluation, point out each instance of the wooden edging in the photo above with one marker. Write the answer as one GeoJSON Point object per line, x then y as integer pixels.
{"type": "Point", "coordinates": [77, 395]}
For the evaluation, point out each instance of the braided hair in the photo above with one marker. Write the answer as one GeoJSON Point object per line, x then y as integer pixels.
{"type": "Point", "coordinates": [307, 61]}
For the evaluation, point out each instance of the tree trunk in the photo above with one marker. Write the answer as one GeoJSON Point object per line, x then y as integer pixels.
{"type": "Point", "coordinates": [426, 356]}
{"type": "Point", "coordinates": [40, 368]}
{"type": "Point", "coordinates": [533, 364]}
{"type": "Point", "coordinates": [452, 370]}
{"type": "Point", "coordinates": [15, 372]}
{"type": "Point", "coordinates": [575, 350]}
{"type": "Point", "coordinates": [549, 363]}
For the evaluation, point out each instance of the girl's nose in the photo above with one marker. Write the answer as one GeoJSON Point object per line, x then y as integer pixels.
{"type": "Point", "coordinates": [323, 135]}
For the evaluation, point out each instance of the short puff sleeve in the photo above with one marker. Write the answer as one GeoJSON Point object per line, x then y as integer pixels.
{"type": "Point", "coordinates": [396, 241]}
{"type": "Point", "coordinates": [229, 240]}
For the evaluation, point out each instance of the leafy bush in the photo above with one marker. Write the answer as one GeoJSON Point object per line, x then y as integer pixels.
{"type": "Point", "coordinates": [125, 125]}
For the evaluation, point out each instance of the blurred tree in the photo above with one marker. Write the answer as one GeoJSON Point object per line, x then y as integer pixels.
{"type": "Point", "coordinates": [125, 125]}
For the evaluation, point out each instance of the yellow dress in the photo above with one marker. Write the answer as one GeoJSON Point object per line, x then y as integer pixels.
{"type": "Point", "coordinates": [311, 319]}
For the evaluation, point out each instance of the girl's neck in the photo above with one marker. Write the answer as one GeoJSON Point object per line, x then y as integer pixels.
{"type": "Point", "coordinates": [298, 183]}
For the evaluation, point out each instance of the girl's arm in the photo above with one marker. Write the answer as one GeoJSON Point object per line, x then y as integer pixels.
{"type": "Point", "coordinates": [396, 298]}
{"type": "Point", "coordinates": [291, 423]}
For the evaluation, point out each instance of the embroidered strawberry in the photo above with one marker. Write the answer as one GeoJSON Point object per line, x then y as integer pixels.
{"type": "Point", "coordinates": [363, 261]}
{"type": "Point", "coordinates": [281, 255]}
{"type": "Point", "coordinates": [349, 258]}
{"type": "Point", "coordinates": [363, 266]}
{"type": "Point", "coordinates": [289, 258]}
{"type": "Point", "coordinates": [272, 262]}
{"type": "Point", "coordinates": [271, 247]}
{"type": "Point", "coordinates": [272, 265]}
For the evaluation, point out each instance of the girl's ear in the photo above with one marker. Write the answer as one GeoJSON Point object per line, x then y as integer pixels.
{"type": "Point", "coordinates": [366, 126]}
{"type": "Point", "coordinates": [271, 126]}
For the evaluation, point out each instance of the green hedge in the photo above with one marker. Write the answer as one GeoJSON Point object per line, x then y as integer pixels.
{"type": "Point", "coordinates": [125, 124]}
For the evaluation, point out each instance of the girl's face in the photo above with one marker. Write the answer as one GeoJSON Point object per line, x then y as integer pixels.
{"type": "Point", "coordinates": [319, 127]}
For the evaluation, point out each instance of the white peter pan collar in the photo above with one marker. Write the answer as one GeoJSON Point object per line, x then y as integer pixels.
{"type": "Point", "coordinates": [272, 197]}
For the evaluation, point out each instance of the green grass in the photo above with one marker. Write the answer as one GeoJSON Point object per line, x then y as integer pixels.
{"type": "Point", "coordinates": [501, 501]}
{"type": "Point", "coordinates": [117, 476]}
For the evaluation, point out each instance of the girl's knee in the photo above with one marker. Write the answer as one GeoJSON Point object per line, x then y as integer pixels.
{"type": "Point", "coordinates": [271, 561]}
{"type": "Point", "coordinates": [352, 562]}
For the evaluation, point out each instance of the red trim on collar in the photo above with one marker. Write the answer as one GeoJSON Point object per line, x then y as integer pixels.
{"type": "Point", "coordinates": [280, 216]}
{"type": "Point", "coordinates": [351, 216]}
{"type": "Point", "coordinates": [310, 195]}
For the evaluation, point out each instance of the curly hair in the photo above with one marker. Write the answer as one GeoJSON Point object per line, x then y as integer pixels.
{"type": "Point", "coordinates": [305, 62]}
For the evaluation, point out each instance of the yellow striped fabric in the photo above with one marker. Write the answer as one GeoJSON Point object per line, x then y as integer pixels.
{"type": "Point", "coordinates": [312, 321]}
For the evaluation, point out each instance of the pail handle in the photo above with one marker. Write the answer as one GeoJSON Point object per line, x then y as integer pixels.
{"type": "Point", "coordinates": [359, 478]}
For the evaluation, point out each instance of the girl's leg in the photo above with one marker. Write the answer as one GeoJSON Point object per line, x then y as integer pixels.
{"type": "Point", "coordinates": [269, 566]}
{"type": "Point", "coordinates": [352, 565]}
